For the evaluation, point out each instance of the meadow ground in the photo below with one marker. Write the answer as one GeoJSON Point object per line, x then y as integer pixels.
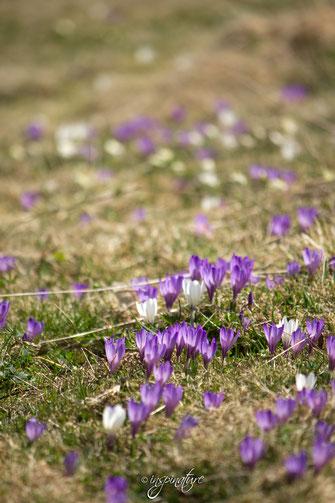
{"type": "Point", "coordinates": [109, 212]}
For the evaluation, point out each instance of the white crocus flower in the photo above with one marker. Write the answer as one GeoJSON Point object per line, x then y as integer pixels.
{"type": "Point", "coordinates": [147, 309]}
{"type": "Point", "coordinates": [290, 326]}
{"type": "Point", "coordinates": [303, 381]}
{"type": "Point", "coordinates": [113, 418]}
{"type": "Point", "coordinates": [193, 290]}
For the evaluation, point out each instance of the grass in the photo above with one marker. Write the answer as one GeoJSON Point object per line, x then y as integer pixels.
{"type": "Point", "coordinates": [53, 59]}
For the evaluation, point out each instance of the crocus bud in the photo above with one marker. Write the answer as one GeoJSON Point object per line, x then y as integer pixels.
{"type": "Point", "coordinates": [113, 418]}
{"type": "Point", "coordinates": [147, 309]}
{"type": "Point", "coordinates": [193, 291]}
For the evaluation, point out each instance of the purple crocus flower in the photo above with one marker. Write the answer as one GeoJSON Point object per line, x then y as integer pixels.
{"type": "Point", "coordinates": [147, 292]}
{"type": "Point", "coordinates": [34, 130]}
{"type": "Point", "coordinates": [332, 383]}
{"type": "Point", "coordinates": [71, 463]}
{"type": "Point", "coordinates": [322, 453]}
{"type": "Point", "coordinates": [192, 338]}
{"type": "Point", "coordinates": [172, 396]}
{"type": "Point", "coordinates": [85, 218]}
{"type": "Point", "coordinates": [169, 338]}
{"type": "Point", "coordinates": [163, 372]}
{"type": "Point", "coordinates": [42, 294]}
{"type": "Point", "coordinates": [294, 93]}
{"type": "Point", "coordinates": [240, 269]}
{"type": "Point", "coordinates": [6, 263]}
{"type": "Point", "coordinates": [251, 450]}
{"type": "Point", "coordinates": [137, 414]}
{"type": "Point", "coordinates": [314, 329]}
{"type": "Point", "coordinates": [296, 465]}
{"type": "Point", "coordinates": [266, 419]}
{"type": "Point", "coordinates": [141, 339]}
{"type": "Point", "coordinates": [170, 289]}
{"type": "Point", "coordinates": [115, 350]}
{"type": "Point", "coordinates": [139, 215]}
{"type": "Point", "coordinates": [306, 217]}
{"type": "Point", "coordinates": [331, 263]}
{"type": "Point", "coordinates": [187, 423]}
{"type": "Point", "coordinates": [316, 401]}
{"type": "Point", "coordinates": [79, 287]}
{"type": "Point", "coordinates": [4, 308]}
{"type": "Point", "coordinates": [279, 225]}
{"type": "Point", "coordinates": [273, 335]}
{"type": "Point", "coordinates": [195, 266]}
{"type": "Point", "coordinates": [227, 340]}
{"type": "Point", "coordinates": [178, 113]}
{"type": "Point", "coordinates": [298, 341]}
{"type": "Point", "coordinates": [285, 408]}
{"type": "Point", "coordinates": [331, 351]}
{"type": "Point", "coordinates": [213, 275]}
{"type": "Point", "coordinates": [29, 199]}
{"type": "Point", "coordinates": [34, 328]}
{"type": "Point", "coordinates": [145, 145]}
{"type": "Point", "coordinates": [208, 351]}
{"type": "Point", "coordinates": [250, 299]}
{"type": "Point", "coordinates": [153, 352]}
{"type": "Point", "coordinates": [270, 283]}
{"type": "Point", "coordinates": [202, 225]}
{"type": "Point", "coordinates": [312, 259]}
{"type": "Point", "coordinates": [151, 395]}
{"type": "Point", "coordinates": [34, 429]}
{"type": "Point", "coordinates": [116, 490]}
{"type": "Point", "coordinates": [293, 268]}
{"type": "Point", "coordinates": [213, 400]}
{"type": "Point", "coordinates": [323, 431]}
{"type": "Point", "coordinates": [257, 171]}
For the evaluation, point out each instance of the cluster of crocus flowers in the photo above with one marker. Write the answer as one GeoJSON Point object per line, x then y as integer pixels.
{"type": "Point", "coordinates": [259, 171]}
{"type": "Point", "coordinates": [152, 348]}
{"type": "Point", "coordinates": [34, 328]}
{"type": "Point", "coordinates": [115, 350]}
{"type": "Point", "coordinates": [290, 326]}
{"type": "Point", "coordinates": [4, 308]}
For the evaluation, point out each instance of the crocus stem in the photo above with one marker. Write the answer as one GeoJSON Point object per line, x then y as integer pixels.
{"type": "Point", "coordinates": [192, 314]}
{"type": "Point", "coordinates": [110, 442]}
